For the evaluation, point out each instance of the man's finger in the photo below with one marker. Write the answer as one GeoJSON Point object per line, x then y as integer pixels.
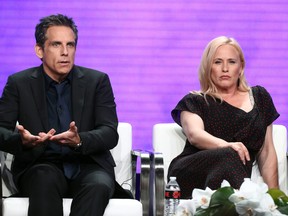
{"type": "Point", "coordinates": [20, 128]}
{"type": "Point", "coordinates": [73, 126]}
{"type": "Point", "coordinates": [52, 131]}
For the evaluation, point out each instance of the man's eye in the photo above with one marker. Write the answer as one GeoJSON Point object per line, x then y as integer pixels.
{"type": "Point", "coordinates": [71, 45]}
{"type": "Point", "coordinates": [55, 44]}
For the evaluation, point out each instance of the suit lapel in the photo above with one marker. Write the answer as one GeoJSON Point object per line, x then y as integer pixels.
{"type": "Point", "coordinates": [78, 93]}
{"type": "Point", "coordinates": [38, 90]}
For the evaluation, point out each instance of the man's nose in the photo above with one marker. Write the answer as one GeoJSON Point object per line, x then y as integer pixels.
{"type": "Point", "coordinates": [64, 50]}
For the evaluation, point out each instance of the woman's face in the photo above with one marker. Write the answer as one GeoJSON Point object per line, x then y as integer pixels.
{"type": "Point", "coordinates": [226, 67]}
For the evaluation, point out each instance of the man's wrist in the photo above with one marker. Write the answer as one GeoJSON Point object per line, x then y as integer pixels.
{"type": "Point", "coordinates": [78, 145]}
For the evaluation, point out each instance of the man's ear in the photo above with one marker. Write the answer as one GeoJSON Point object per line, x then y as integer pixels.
{"type": "Point", "coordinates": [39, 51]}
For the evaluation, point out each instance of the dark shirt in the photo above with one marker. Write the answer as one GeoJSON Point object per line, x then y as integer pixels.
{"type": "Point", "coordinates": [53, 151]}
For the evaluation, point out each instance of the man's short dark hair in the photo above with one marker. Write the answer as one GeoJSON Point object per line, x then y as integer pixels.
{"type": "Point", "coordinates": [53, 20]}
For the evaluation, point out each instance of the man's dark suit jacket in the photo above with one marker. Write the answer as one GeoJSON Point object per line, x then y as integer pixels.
{"type": "Point", "coordinates": [93, 110]}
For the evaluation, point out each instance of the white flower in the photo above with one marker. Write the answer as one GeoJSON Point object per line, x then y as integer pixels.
{"type": "Point", "coordinates": [186, 208]}
{"type": "Point", "coordinates": [251, 199]}
{"type": "Point", "coordinates": [225, 183]}
{"type": "Point", "coordinates": [202, 197]}
{"type": "Point", "coordinates": [267, 206]}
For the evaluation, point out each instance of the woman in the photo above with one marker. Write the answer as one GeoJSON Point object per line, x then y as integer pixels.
{"type": "Point", "coordinates": [228, 125]}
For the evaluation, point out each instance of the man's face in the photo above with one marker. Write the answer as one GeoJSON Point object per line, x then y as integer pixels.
{"type": "Point", "coordinates": [58, 54]}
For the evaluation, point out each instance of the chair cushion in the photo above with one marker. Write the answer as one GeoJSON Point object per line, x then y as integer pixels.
{"type": "Point", "coordinates": [14, 206]}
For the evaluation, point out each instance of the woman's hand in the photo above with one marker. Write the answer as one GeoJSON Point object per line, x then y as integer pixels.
{"type": "Point", "coordinates": [194, 130]}
{"type": "Point", "coordinates": [241, 149]}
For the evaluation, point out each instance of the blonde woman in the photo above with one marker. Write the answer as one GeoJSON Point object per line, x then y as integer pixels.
{"type": "Point", "coordinates": [228, 124]}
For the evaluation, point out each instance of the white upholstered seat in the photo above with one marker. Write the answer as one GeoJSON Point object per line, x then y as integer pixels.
{"type": "Point", "coordinates": [15, 206]}
{"type": "Point", "coordinates": [169, 141]}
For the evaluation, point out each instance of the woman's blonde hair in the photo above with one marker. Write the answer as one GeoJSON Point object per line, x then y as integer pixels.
{"type": "Point", "coordinates": [206, 83]}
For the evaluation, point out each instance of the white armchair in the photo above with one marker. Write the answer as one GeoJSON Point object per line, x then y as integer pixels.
{"type": "Point", "coordinates": [169, 141]}
{"type": "Point", "coordinates": [126, 160]}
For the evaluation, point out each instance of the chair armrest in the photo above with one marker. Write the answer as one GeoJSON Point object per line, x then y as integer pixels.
{"type": "Point", "coordinates": [1, 204]}
{"type": "Point", "coordinates": [159, 181]}
{"type": "Point", "coordinates": [1, 189]}
{"type": "Point", "coordinates": [145, 177]}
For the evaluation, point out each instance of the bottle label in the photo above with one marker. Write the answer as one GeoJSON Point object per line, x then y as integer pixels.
{"type": "Point", "coordinates": [172, 194]}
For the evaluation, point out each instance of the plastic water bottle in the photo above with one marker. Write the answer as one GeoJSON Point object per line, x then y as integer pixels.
{"type": "Point", "coordinates": [172, 197]}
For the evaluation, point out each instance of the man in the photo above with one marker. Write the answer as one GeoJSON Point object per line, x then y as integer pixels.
{"type": "Point", "coordinates": [67, 125]}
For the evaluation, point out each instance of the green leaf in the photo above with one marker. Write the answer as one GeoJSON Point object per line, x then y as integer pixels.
{"type": "Point", "coordinates": [280, 199]}
{"type": "Point", "coordinates": [283, 209]}
{"type": "Point", "coordinates": [202, 212]}
{"type": "Point", "coordinates": [220, 196]}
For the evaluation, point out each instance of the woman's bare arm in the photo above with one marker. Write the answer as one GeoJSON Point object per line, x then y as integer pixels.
{"type": "Point", "coordinates": [194, 130]}
{"type": "Point", "coordinates": [267, 161]}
